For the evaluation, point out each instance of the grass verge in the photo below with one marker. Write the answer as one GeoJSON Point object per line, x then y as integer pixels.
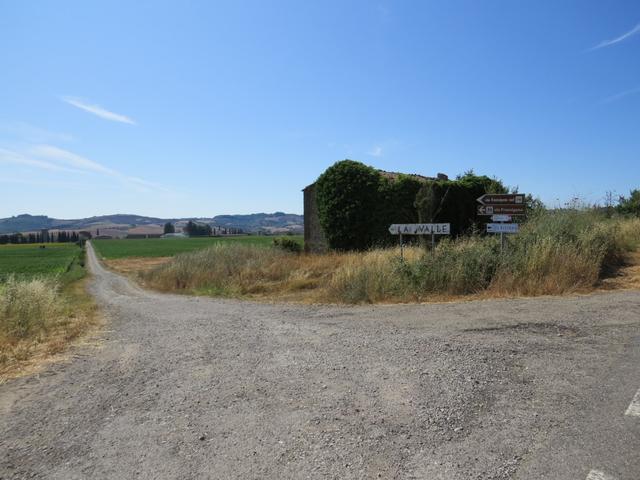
{"type": "Point", "coordinates": [555, 253]}
{"type": "Point", "coordinates": [40, 315]}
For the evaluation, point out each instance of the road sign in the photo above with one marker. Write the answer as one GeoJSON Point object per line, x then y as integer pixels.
{"type": "Point", "coordinates": [502, 228]}
{"type": "Point", "coordinates": [501, 218]}
{"type": "Point", "coordinates": [501, 209]}
{"type": "Point", "coordinates": [502, 199]}
{"type": "Point", "coordinates": [420, 229]}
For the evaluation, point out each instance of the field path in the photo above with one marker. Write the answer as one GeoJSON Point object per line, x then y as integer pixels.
{"type": "Point", "coordinates": [187, 387]}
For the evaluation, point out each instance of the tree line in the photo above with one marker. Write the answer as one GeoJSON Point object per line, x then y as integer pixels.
{"type": "Point", "coordinates": [53, 237]}
{"type": "Point", "coordinates": [194, 229]}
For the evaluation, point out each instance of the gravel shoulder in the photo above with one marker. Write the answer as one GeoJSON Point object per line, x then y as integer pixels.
{"type": "Point", "coordinates": [192, 387]}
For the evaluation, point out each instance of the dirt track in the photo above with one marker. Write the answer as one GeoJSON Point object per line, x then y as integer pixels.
{"type": "Point", "coordinates": [186, 387]}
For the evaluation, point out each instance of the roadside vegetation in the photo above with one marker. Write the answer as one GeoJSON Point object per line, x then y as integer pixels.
{"type": "Point", "coordinates": [43, 305]}
{"type": "Point", "coordinates": [556, 252]}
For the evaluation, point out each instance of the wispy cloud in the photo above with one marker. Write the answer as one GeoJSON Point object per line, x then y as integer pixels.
{"type": "Point", "coordinates": [87, 165]}
{"type": "Point", "coordinates": [621, 95]}
{"type": "Point", "coordinates": [376, 151]}
{"type": "Point", "coordinates": [98, 110]}
{"type": "Point", "coordinates": [71, 158]}
{"type": "Point", "coordinates": [607, 43]}
{"type": "Point", "coordinates": [30, 133]}
{"type": "Point", "coordinates": [10, 156]}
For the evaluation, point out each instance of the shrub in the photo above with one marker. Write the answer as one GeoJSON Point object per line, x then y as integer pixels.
{"type": "Point", "coordinates": [348, 195]}
{"type": "Point", "coordinates": [287, 244]}
{"type": "Point", "coordinates": [630, 204]}
{"type": "Point", "coordinates": [454, 201]}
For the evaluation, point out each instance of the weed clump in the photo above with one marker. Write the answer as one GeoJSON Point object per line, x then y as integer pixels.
{"type": "Point", "coordinates": [287, 244]}
{"type": "Point", "coordinates": [26, 306]}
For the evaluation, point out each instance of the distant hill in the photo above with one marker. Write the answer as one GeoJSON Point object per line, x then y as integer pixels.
{"type": "Point", "coordinates": [278, 222]}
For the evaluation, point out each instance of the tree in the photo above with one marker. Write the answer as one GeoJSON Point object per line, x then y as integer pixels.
{"type": "Point", "coordinates": [630, 205]}
{"type": "Point", "coordinates": [454, 201]}
{"type": "Point", "coordinates": [169, 228]}
{"type": "Point", "coordinates": [348, 195]}
{"type": "Point", "coordinates": [194, 229]}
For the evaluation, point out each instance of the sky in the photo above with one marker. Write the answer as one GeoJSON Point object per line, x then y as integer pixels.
{"type": "Point", "coordinates": [200, 108]}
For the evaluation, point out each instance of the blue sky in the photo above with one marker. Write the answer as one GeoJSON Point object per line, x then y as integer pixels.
{"type": "Point", "coordinates": [202, 108]}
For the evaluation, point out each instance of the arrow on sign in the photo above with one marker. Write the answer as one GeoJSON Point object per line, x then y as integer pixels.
{"type": "Point", "coordinates": [502, 209]}
{"type": "Point", "coordinates": [501, 199]}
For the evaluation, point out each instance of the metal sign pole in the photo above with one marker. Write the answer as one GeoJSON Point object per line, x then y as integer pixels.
{"type": "Point", "coordinates": [401, 248]}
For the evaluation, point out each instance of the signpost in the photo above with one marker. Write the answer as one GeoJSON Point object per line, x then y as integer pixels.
{"type": "Point", "coordinates": [420, 229]}
{"type": "Point", "coordinates": [502, 209]}
{"type": "Point", "coordinates": [501, 206]}
{"type": "Point", "coordinates": [502, 199]}
{"type": "Point", "coordinates": [432, 229]}
{"type": "Point", "coordinates": [502, 228]}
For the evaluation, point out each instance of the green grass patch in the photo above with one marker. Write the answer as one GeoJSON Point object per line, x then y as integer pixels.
{"type": "Point", "coordinates": [30, 261]}
{"type": "Point", "coordinates": [168, 247]}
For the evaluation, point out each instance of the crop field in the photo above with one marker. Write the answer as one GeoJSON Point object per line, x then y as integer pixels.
{"type": "Point", "coordinates": [27, 261]}
{"type": "Point", "coordinates": [168, 247]}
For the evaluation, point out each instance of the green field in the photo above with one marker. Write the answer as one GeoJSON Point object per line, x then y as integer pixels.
{"type": "Point", "coordinates": [30, 260]}
{"type": "Point", "coordinates": [168, 247]}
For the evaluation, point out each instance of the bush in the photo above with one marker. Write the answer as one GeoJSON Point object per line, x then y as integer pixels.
{"type": "Point", "coordinates": [630, 204]}
{"type": "Point", "coordinates": [287, 244]}
{"type": "Point", "coordinates": [348, 196]}
{"type": "Point", "coordinates": [454, 201]}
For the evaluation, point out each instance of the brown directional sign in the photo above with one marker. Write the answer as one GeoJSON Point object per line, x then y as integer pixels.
{"type": "Point", "coordinates": [501, 209]}
{"type": "Point", "coordinates": [502, 199]}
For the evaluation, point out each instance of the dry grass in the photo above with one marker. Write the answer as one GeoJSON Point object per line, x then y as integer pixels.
{"type": "Point", "coordinates": [38, 319]}
{"type": "Point", "coordinates": [555, 253]}
{"type": "Point", "coordinates": [135, 265]}
{"type": "Point", "coordinates": [627, 277]}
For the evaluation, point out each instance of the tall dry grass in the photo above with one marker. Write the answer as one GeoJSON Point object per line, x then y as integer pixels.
{"type": "Point", "coordinates": [38, 318]}
{"type": "Point", "coordinates": [26, 306]}
{"type": "Point", "coordinates": [236, 269]}
{"type": "Point", "coordinates": [556, 252]}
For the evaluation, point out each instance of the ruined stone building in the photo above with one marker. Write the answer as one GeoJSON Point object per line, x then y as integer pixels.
{"type": "Point", "coordinates": [314, 238]}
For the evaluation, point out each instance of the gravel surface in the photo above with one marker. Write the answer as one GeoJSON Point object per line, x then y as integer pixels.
{"type": "Point", "coordinates": [188, 387]}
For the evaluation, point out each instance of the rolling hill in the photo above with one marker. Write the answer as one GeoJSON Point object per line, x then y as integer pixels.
{"type": "Point", "coordinates": [278, 222]}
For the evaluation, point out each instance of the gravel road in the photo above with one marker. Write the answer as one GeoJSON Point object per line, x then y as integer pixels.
{"type": "Point", "coordinates": [187, 387]}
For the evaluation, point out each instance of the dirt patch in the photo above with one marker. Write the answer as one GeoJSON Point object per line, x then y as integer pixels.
{"type": "Point", "coordinates": [627, 277]}
{"type": "Point", "coordinates": [135, 265]}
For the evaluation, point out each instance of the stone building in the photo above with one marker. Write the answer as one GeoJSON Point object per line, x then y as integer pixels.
{"type": "Point", "coordinates": [314, 238]}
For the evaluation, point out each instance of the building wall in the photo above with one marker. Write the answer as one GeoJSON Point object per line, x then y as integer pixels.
{"type": "Point", "coordinates": [314, 239]}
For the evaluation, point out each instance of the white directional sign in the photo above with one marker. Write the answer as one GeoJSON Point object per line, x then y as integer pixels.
{"type": "Point", "coordinates": [501, 218]}
{"type": "Point", "coordinates": [420, 229]}
{"type": "Point", "coordinates": [502, 228]}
